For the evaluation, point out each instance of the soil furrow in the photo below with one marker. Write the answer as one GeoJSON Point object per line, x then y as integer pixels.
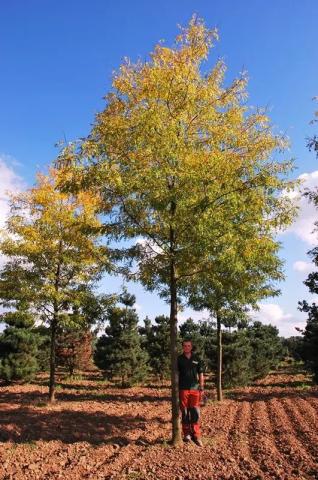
{"type": "Point", "coordinates": [239, 443]}
{"type": "Point", "coordinates": [264, 432]}
{"type": "Point", "coordinates": [113, 468]}
{"type": "Point", "coordinates": [313, 401]}
{"type": "Point", "coordinates": [287, 443]}
{"type": "Point", "coordinates": [306, 431]}
{"type": "Point", "coordinates": [263, 450]}
{"type": "Point", "coordinates": [308, 410]}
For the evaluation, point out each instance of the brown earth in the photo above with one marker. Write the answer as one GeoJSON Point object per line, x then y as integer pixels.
{"type": "Point", "coordinates": [94, 431]}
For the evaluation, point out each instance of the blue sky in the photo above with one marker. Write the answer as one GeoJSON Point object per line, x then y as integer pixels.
{"type": "Point", "coordinates": [56, 63]}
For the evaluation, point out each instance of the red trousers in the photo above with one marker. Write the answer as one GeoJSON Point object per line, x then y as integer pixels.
{"type": "Point", "coordinates": [190, 412]}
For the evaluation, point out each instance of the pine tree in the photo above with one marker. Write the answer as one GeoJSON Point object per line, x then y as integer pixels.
{"type": "Point", "coordinates": [157, 344]}
{"type": "Point", "coordinates": [267, 349]}
{"type": "Point", "coordinates": [237, 354]}
{"type": "Point", "coordinates": [43, 354]}
{"type": "Point", "coordinates": [119, 353]}
{"type": "Point", "coordinates": [19, 345]}
{"type": "Point", "coordinates": [191, 330]}
{"type": "Point", "coordinates": [294, 347]}
{"type": "Point", "coordinates": [310, 334]}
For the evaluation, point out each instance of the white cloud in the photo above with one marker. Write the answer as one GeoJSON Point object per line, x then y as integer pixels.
{"type": "Point", "coordinates": [9, 182]}
{"type": "Point", "coordinates": [303, 267]}
{"type": "Point", "coordinates": [304, 226]}
{"type": "Point", "coordinates": [271, 313]}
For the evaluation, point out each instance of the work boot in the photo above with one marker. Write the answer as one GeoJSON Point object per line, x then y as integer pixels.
{"type": "Point", "coordinates": [198, 441]}
{"type": "Point", "coordinates": [187, 438]}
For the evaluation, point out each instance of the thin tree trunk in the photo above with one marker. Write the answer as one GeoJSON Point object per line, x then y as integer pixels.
{"type": "Point", "coordinates": [52, 360]}
{"type": "Point", "coordinates": [53, 330]}
{"type": "Point", "coordinates": [176, 431]}
{"type": "Point", "coordinates": [219, 360]}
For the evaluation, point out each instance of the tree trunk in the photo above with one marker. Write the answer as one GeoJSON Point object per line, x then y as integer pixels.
{"type": "Point", "coordinates": [219, 361]}
{"type": "Point", "coordinates": [52, 360]}
{"type": "Point", "coordinates": [53, 330]}
{"type": "Point", "coordinates": [176, 431]}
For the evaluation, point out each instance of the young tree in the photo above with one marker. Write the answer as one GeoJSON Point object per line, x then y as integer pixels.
{"type": "Point", "coordinates": [191, 330]}
{"type": "Point", "coordinates": [267, 349]}
{"type": "Point", "coordinates": [74, 349]}
{"type": "Point", "coordinates": [310, 339]}
{"type": "Point", "coordinates": [157, 344]}
{"type": "Point", "coordinates": [75, 341]}
{"type": "Point", "coordinates": [228, 291]}
{"type": "Point", "coordinates": [51, 244]}
{"type": "Point", "coordinates": [185, 166]}
{"type": "Point", "coordinates": [19, 345]}
{"type": "Point", "coordinates": [119, 352]}
{"type": "Point", "coordinates": [294, 347]}
{"type": "Point", "coordinates": [236, 359]}
{"type": "Point", "coordinates": [310, 334]}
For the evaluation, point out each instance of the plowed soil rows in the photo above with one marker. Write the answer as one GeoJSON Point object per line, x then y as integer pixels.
{"type": "Point", "coordinates": [94, 431]}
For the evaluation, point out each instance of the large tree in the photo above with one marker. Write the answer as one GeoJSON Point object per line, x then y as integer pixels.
{"type": "Point", "coordinates": [310, 334]}
{"type": "Point", "coordinates": [185, 166]}
{"type": "Point", "coordinates": [50, 241]}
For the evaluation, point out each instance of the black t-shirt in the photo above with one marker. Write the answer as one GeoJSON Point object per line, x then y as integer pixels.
{"type": "Point", "coordinates": [189, 370]}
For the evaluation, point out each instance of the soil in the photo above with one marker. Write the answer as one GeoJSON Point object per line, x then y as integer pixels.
{"type": "Point", "coordinates": [95, 431]}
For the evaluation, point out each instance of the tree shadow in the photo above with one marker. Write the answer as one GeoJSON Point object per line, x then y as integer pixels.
{"type": "Point", "coordinates": [24, 425]}
{"type": "Point", "coordinates": [110, 397]}
{"type": "Point", "coordinates": [37, 397]}
{"type": "Point", "coordinates": [289, 384]}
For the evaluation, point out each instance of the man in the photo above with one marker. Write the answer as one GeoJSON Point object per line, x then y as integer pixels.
{"type": "Point", "coordinates": [191, 386]}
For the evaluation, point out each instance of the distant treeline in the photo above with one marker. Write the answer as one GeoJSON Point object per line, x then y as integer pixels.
{"type": "Point", "coordinates": [129, 353]}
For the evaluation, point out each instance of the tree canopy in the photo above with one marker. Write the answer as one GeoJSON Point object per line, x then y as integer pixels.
{"type": "Point", "coordinates": [180, 162]}
{"type": "Point", "coordinates": [53, 255]}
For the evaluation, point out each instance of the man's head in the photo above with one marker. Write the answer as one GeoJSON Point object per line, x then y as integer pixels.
{"type": "Point", "coordinates": [187, 347]}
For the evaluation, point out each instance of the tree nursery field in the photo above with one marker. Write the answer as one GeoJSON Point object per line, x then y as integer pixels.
{"type": "Point", "coordinates": [95, 431]}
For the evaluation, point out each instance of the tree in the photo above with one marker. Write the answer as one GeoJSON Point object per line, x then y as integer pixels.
{"type": "Point", "coordinates": [19, 345]}
{"type": "Point", "coordinates": [157, 344]}
{"type": "Point", "coordinates": [75, 341]}
{"type": "Point", "coordinates": [119, 352]}
{"type": "Point", "coordinates": [312, 143]}
{"type": "Point", "coordinates": [294, 347]}
{"type": "Point", "coordinates": [183, 165]}
{"type": "Point", "coordinates": [236, 359]}
{"type": "Point", "coordinates": [230, 290]}
{"type": "Point", "coordinates": [51, 244]}
{"type": "Point", "coordinates": [191, 330]}
{"type": "Point", "coordinates": [74, 349]}
{"type": "Point", "coordinates": [43, 354]}
{"type": "Point", "coordinates": [310, 335]}
{"type": "Point", "coordinates": [267, 349]}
